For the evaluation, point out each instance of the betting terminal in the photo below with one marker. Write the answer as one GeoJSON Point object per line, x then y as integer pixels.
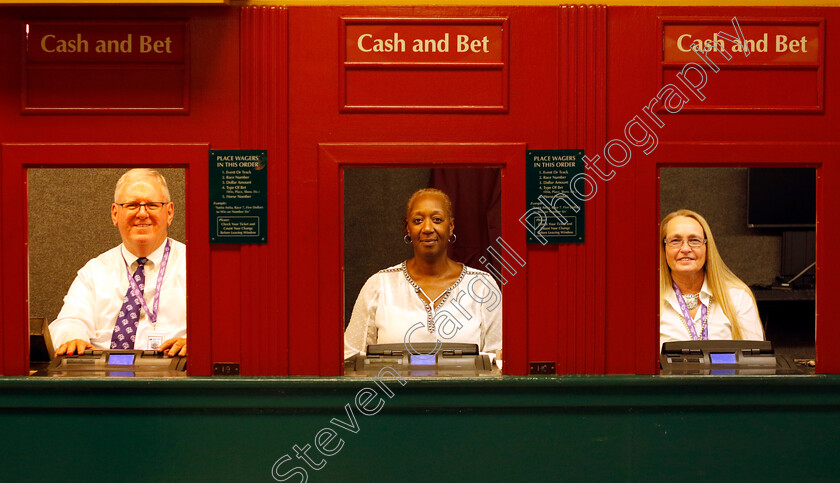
{"type": "Point", "coordinates": [97, 362]}
{"type": "Point", "coordinates": [422, 359]}
{"type": "Point", "coordinates": [118, 363]}
{"type": "Point", "coordinates": [724, 357]}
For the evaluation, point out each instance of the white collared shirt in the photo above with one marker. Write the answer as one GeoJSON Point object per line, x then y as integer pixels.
{"type": "Point", "coordinates": [96, 295]}
{"type": "Point", "coordinates": [671, 327]}
{"type": "Point", "coordinates": [388, 308]}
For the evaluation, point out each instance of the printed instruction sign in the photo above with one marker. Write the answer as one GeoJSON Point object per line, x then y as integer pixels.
{"type": "Point", "coordinates": [238, 195]}
{"type": "Point", "coordinates": [551, 218]}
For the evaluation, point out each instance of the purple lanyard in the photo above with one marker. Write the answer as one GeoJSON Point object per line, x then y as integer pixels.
{"type": "Point", "coordinates": [154, 312]}
{"type": "Point", "coordinates": [689, 322]}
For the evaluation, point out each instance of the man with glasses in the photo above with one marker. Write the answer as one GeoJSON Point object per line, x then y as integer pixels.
{"type": "Point", "coordinates": [134, 295]}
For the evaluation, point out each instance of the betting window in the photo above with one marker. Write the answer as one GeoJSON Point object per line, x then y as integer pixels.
{"type": "Point", "coordinates": [374, 207]}
{"type": "Point", "coordinates": [766, 254]}
{"type": "Point", "coordinates": [66, 228]}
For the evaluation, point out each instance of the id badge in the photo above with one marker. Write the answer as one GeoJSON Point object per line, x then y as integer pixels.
{"type": "Point", "coordinates": [154, 340]}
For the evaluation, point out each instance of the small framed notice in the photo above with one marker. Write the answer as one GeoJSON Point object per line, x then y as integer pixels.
{"type": "Point", "coordinates": [553, 214]}
{"type": "Point", "coordinates": [238, 194]}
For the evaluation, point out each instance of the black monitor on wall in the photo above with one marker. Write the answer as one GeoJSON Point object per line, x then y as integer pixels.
{"type": "Point", "coordinates": [782, 197]}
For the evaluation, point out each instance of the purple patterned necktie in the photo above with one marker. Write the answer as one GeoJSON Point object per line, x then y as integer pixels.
{"type": "Point", "coordinates": [126, 326]}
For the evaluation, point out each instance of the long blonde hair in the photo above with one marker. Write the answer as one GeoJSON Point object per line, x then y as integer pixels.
{"type": "Point", "coordinates": [718, 276]}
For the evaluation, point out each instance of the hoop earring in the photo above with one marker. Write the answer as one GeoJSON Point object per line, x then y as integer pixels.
{"type": "Point", "coordinates": [407, 239]}
{"type": "Point", "coordinates": [452, 238]}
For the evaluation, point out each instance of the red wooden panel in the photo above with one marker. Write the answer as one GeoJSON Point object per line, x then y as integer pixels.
{"type": "Point", "coordinates": [790, 82]}
{"type": "Point", "coordinates": [15, 273]}
{"type": "Point", "coordinates": [313, 104]}
{"type": "Point", "coordinates": [791, 89]}
{"type": "Point", "coordinates": [594, 342]}
{"type": "Point", "coordinates": [575, 330]}
{"type": "Point", "coordinates": [516, 302]}
{"type": "Point", "coordinates": [450, 90]}
{"type": "Point", "coordinates": [53, 89]}
{"type": "Point", "coordinates": [18, 157]}
{"type": "Point", "coordinates": [643, 239]}
{"type": "Point", "coordinates": [199, 301]}
{"type": "Point", "coordinates": [265, 268]}
{"type": "Point", "coordinates": [333, 157]}
{"type": "Point", "coordinates": [635, 72]}
{"type": "Point", "coordinates": [545, 297]}
{"type": "Point", "coordinates": [599, 135]}
{"type": "Point", "coordinates": [330, 249]}
{"type": "Point", "coordinates": [633, 55]}
{"type": "Point", "coordinates": [828, 281]}
{"type": "Point", "coordinates": [2, 305]}
{"type": "Point", "coordinates": [226, 288]}
{"type": "Point", "coordinates": [578, 264]}
{"type": "Point", "coordinates": [567, 134]}
{"type": "Point", "coordinates": [213, 82]}
{"type": "Point", "coordinates": [148, 73]}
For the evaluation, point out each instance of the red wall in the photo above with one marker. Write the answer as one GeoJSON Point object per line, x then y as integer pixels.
{"type": "Point", "coordinates": [749, 136]}
{"type": "Point", "coordinates": [274, 78]}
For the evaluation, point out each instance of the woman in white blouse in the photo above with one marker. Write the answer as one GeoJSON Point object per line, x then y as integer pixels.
{"type": "Point", "coordinates": [428, 297]}
{"type": "Point", "coordinates": [700, 298]}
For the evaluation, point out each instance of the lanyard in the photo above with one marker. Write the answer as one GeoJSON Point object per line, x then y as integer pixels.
{"type": "Point", "coordinates": [154, 312]}
{"type": "Point", "coordinates": [689, 322]}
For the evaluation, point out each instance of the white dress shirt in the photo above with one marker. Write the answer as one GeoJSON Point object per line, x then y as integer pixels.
{"type": "Point", "coordinates": [96, 295]}
{"type": "Point", "coordinates": [671, 327]}
{"type": "Point", "coordinates": [388, 309]}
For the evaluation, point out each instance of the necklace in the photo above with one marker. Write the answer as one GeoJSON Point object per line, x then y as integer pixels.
{"type": "Point", "coordinates": [703, 328]}
{"type": "Point", "coordinates": [430, 316]}
{"type": "Point", "coordinates": [691, 300]}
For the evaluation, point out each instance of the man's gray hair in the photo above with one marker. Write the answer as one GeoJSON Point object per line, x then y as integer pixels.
{"type": "Point", "coordinates": [136, 173]}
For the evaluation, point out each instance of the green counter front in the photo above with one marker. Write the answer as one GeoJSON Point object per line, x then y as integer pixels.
{"type": "Point", "coordinates": [563, 428]}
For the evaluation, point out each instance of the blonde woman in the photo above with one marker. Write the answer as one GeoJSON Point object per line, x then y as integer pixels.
{"type": "Point", "coordinates": [700, 298]}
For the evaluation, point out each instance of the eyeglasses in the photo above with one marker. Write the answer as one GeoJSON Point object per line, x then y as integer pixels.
{"type": "Point", "coordinates": [152, 206]}
{"type": "Point", "coordinates": [692, 242]}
